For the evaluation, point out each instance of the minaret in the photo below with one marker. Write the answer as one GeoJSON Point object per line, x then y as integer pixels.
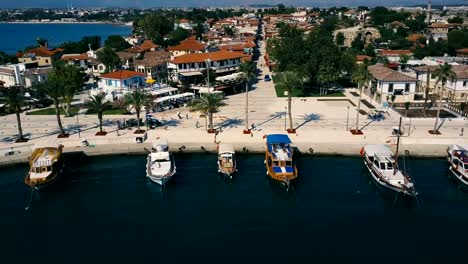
{"type": "Point", "coordinates": [429, 10]}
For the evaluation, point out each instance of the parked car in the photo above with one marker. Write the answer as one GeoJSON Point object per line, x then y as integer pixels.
{"type": "Point", "coordinates": [267, 78]}
{"type": "Point", "coordinates": [152, 122]}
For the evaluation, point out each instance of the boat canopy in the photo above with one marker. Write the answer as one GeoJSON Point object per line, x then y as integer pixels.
{"type": "Point", "coordinates": [161, 144]}
{"type": "Point", "coordinates": [381, 149]}
{"type": "Point", "coordinates": [160, 156]}
{"type": "Point", "coordinates": [278, 138]}
{"type": "Point", "coordinates": [226, 148]}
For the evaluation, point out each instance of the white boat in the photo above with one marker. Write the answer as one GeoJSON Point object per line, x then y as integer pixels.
{"type": "Point", "coordinates": [160, 166]}
{"type": "Point", "coordinates": [226, 159]}
{"type": "Point", "coordinates": [383, 167]}
{"type": "Point", "coordinates": [458, 160]}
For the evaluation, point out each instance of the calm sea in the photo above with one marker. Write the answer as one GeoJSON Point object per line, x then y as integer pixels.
{"type": "Point", "coordinates": [18, 36]}
{"type": "Point", "coordinates": [335, 214]}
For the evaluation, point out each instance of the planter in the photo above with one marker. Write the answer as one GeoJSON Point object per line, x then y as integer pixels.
{"type": "Point", "coordinates": [63, 136]}
{"type": "Point", "coordinates": [141, 131]}
{"type": "Point", "coordinates": [22, 140]}
{"type": "Point", "coordinates": [356, 132]}
{"type": "Point", "coordinates": [246, 131]}
{"type": "Point", "coordinates": [211, 131]}
{"type": "Point", "coordinates": [291, 131]}
{"type": "Point", "coordinates": [434, 132]}
{"type": "Point", "coordinates": [103, 133]}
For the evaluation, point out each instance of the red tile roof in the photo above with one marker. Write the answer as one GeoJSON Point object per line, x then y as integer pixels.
{"type": "Point", "coordinates": [40, 51]}
{"type": "Point", "coordinates": [122, 75]}
{"type": "Point", "coordinates": [183, 20]}
{"type": "Point", "coordinates": [69, 57]}
{"type": "Point", "coordinates": [395, 52]}
{"type": "Point", "coordinates": [383, 73]}
{"type": "Point", "coordinates": [414, 37]}
{"type": "Point", "coordinates": [190, 44]}
{"type": "Point", "coordinates": [462, 51]}
{"type": "Point", "coordinates": [363, 57]}
{"type": "Point", "coordinates": [214, 56]}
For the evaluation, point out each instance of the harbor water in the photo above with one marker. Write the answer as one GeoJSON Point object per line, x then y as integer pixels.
{"type": "Point", "coordinates": [106, 206]}
{"type": "Point", "coordinates": [22, 35]}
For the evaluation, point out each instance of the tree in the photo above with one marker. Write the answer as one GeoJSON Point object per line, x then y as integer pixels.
{"type": "Point", "coordinates": [340, 38]}
{"type": "Point", "coordinates": [41, 42]}
{"type": "Point", "coordinates": [15, 100]}
{"type": "Point", "coordinates": [443, 73]}
{"type": "Point", "coordinates": [71, 79]}
{"type": "Point", "coordinates": [404, 60]}
{"type": "Point", "coordinates": [109, 58]}
{"type": "Point", "coordinates": [457, 39]}
{"type": "Point", "coordinates": [357, 44]}
{"type": "Point", "coordinates": [137, 100]}
{"type": "Point", "coordinates": [456, 20]}
{"type": "Point", "coordinates": [155, 27]}
{"type": "Point", "coordinates": [360, 76]}
{"type": "Point", "coordinates": [208, 104]}
{"type": "Point", "coordinates": [53, 88]}
{"type": "Point", "coordinates": [176, 36]}
{"type": "Point", "coordinates": [82, 46]}
{"type": "Point", "coordinates": [229, 31]}
{"type": "Point", "coordinates": [288, 81]}
{"type": "Point", "coordinates": [98, 104]}
{"type": "Point", "coordinates": [248, 73]}
{"type": "Point", "coordinates": [326, 75]}
{"type": "Point", "coordinates": [116, 43]}
{"type": "Point", "coordinates": [407, 106]}
{"type": "Point", "coordinates": [199, 30]}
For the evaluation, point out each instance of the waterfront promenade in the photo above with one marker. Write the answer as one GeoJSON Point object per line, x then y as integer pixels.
{"type": "Point", "coordinates": [321, 125]}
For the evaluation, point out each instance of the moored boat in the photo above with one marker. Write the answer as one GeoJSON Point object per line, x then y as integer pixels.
{"type": "Point", "coordinates": [279, 159]}
{"type": "Point", "coordinates": [383, 168]}
{"type": "Point", "coordinates": [46, 166]}
{"type": "Point", "coordinates": [457, 156]}
{"type": "Point", "coordinates": [226, 159]}
{"type": "Point", "coordinates": [160, 166]}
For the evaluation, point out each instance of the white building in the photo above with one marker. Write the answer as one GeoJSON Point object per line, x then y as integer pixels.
{"type": "Point", "coordinates": [115, 84]}
{"type": "Point", "coordinates": [387, 82]}
{"type": "Point", "coordinates": [24, 74]}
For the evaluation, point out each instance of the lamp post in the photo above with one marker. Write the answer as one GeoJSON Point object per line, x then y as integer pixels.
{"type": "Point", "coordinates": [347, 120]}
{"type": "Point", "coordinates": [208, 67]}
{"type": "Point", "coordinates": [78, 123]}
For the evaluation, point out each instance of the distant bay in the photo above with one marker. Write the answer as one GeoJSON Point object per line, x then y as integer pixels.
{"type": "Point", "coordinates": [18, 36]}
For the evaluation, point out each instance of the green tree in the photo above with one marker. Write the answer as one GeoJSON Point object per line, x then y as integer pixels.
{"type": "Point", "coordinates": [116, 43]}
{"type": "Point", "coordinates": [248, 73]}
{"type": "Point", "coordinates": [98, 104]}
{"type": "Point", "coordinates": [326, 75]}
{"type": "Point", "coordinates": [340, 38]}
{"type": "Point", "coordinates": [288, 81]}
{"type": "Point", "coordinates": [208, 104]}
{"type": "Point", "coordinates": [404, 60]}
{"type": "Point", "coordinates": [137, 100]}
{"type": "Point", "coordinates": [456, 20]}
{"type": "Point", "coordinates": [229, 31]}
{"type": "Point", "coordinates": [407, 106]}
{"type": "Point", "coordinates": [361, 76]}
{"type": "Point", "coordinates": [15, 100]}
{"type": "Point", "coordinates": [155, 27]}
{"type": "Point", "coordinates": [109, 58]}
{"type": "Point", "coordinates": [176, 36]}
{"type": "Point", "coordinates": [71, 79]}
{"type": "Point", "coordinates": [357, 44]}
{"type": "Point", "coordinates": [53, 88]}
{"type": "Point", "coordinates": [457, 39]}
{"type": "Point", "coordinates": [199, 30]}
{"type": "Point", "coordinates": [443, 73]}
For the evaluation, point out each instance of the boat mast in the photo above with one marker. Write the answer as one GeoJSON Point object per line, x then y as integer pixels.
{"type": "Point", "coordinates": [397, 144]}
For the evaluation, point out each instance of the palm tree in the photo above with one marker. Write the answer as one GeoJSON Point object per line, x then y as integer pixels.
{"type": "Point", "coordinates": [137, 100]}
{"type": "Point", "coordinates": [360, 76]}
{"type": "Point", "coordinates": [443, 73]}
{"type": "Point", "coordinates": [248, 73]}
{"type": "Point", "coordinates": [15, 99]}
{"type": "Point", "coordinates": [53, 89]}
{"type": "Point", "coordinates": [208, 104]}
{"type": "Point", "coordinates": [289, 80]}
{"type": "Point", "coordinates": [98, 104]}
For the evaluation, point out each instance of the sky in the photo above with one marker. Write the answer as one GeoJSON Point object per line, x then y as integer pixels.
{"type": "Point", "coordinates": [206, 3]}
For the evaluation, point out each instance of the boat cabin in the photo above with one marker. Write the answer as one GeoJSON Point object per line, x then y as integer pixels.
{"type": "Point", "coordinates": [160, 145]}
{"type": "Point", "coordinates": [226, 156]}
{"type": "Point", "coordinates": [42, 163]}
{"type": "Point", "coordinates": [460, 158]}
{"type": "Point", "coordinates": [383, 162]}
{"type": "Point", "coordinates": [279, 158]}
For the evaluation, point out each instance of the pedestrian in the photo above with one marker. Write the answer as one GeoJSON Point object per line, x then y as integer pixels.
{"type": "Point", "coordinates": [186, 115]}
{"type": "Point", "coordinates": [178, 115]}
{"type": "Point", "coordinates": [197, 124]}
{"type": "Point", "coordinates": [253, 126]}
{"type": "Point", "coordinates": [461, 132]}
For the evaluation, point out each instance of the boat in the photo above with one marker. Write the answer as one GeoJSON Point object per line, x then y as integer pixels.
{"type": "Point", "coordinates": [457, 156]}
{"type": "Point", "coordinates": [226, 159]}
{"type": "Point", "coordinates": [383, 167]}
{"type": "Point", "coordinates": [160, 166]}
{"type": "Point", "coordinates": [279, 159]}
{"type": "Point", "coordinates": [46, 166]}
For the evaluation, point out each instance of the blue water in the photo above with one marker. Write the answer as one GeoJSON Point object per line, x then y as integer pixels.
{"type": "Point", "coordinates": [18, 36]}
{"type": "Point", "coordinates": [107, 207]}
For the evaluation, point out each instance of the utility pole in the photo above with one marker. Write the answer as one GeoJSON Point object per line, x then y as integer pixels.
{"type": "Point", "coordinates": [347, 120]}
{"type": "Point", "coordinates": [78, 123]}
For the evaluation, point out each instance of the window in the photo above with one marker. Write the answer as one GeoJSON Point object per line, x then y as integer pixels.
{"type": "Point", "coordinates": [433, 76]}
{"type": "Point", "coordinates": [407, 87]}
{"type": "Point", "coordinates": [46, 61]}
{"type": "Point", "coordinates": [382, 166]}
{"type": "Point", "coordinates": [390, 88]}
{"type": "Point", "coordinates": [465, 83]}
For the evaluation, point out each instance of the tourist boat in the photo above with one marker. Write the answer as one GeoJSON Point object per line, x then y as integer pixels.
{"type": "Point", "coordinates": [383, 167]}
{"type": "Point", "coordinates": [458, 160]}
{"type": "Point", "coordinates": [46, 166]}
{"type": "Point", "coordinates": [226, 159]}
{"type": "Point", "coordinates": [279, 159]}
{"type": "Point", "coordinates": [160, 166]}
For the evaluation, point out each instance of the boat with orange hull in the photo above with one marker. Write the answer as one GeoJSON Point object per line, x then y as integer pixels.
{"type": "Point", "coordinates": [46, 166]}
{"type": "Point", "coordinates": [279, 159]}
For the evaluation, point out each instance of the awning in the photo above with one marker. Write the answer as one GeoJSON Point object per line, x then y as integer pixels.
{"type": "Point", "coordinates": [188, 74]}
{"type": "Point", "coordinates": [172, 97]}
{"type": "Point", "coordinates": [163, 91]}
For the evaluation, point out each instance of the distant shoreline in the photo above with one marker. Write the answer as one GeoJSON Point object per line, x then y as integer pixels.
{"type": "Point", "coordinates": [59, 22]}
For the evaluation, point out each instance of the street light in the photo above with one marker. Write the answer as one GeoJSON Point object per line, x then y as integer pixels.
{"type": "Point", "coordinates": [347, 119]}
{"type": "Point", "coordinates": [208, 67]}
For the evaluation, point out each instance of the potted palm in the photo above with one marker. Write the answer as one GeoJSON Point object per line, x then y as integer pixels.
{"type": "Point", "coordinates": [98, 104]}
{"type": "Point", "coordinates": [208, 104]}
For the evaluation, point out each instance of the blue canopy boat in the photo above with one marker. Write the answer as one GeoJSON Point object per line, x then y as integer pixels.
{"type": "Point", "coordinates": [279, 159]}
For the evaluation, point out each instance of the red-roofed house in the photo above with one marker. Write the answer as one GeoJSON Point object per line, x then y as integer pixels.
{"type": "Point", "coordinates": [387, 82]}
{"type": "Point", "coordinates": [395, 55]}
{"type": "Point", "coordinates": [188, 46]}
{"type": "Point", "coordinates": [223, 62]}
{"type": "Point", "coordinates": [79, 60]}
{"type": "Point", "coordinates": [115, 84]}
{"type": "Point", "coordinates": [42, 55]}
{"type": "Point", "coordinates": [185, 24]}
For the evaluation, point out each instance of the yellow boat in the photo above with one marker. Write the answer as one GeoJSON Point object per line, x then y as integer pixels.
{"type": "Point", "coordinates": [279, 159]}
{"type": "Point", "coordinates": [46, 166]}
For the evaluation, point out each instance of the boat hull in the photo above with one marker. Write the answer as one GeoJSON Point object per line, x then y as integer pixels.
{"type": "Point", "coordinates": [52, 180]}
{"type": "Point", "coordinates": [383, 183]}
{"type": "Point", "coordinates": [460, 177]}
{"type": "Point", "coordinates": [161, 180]}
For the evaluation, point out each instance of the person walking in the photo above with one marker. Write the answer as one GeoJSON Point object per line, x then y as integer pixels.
{"type": "Point", "coordinates": [461, 132]}
{"type": "Point", "coordinates": [178, 115]}
{"type": "Point", "coordinates": [186, 115]}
